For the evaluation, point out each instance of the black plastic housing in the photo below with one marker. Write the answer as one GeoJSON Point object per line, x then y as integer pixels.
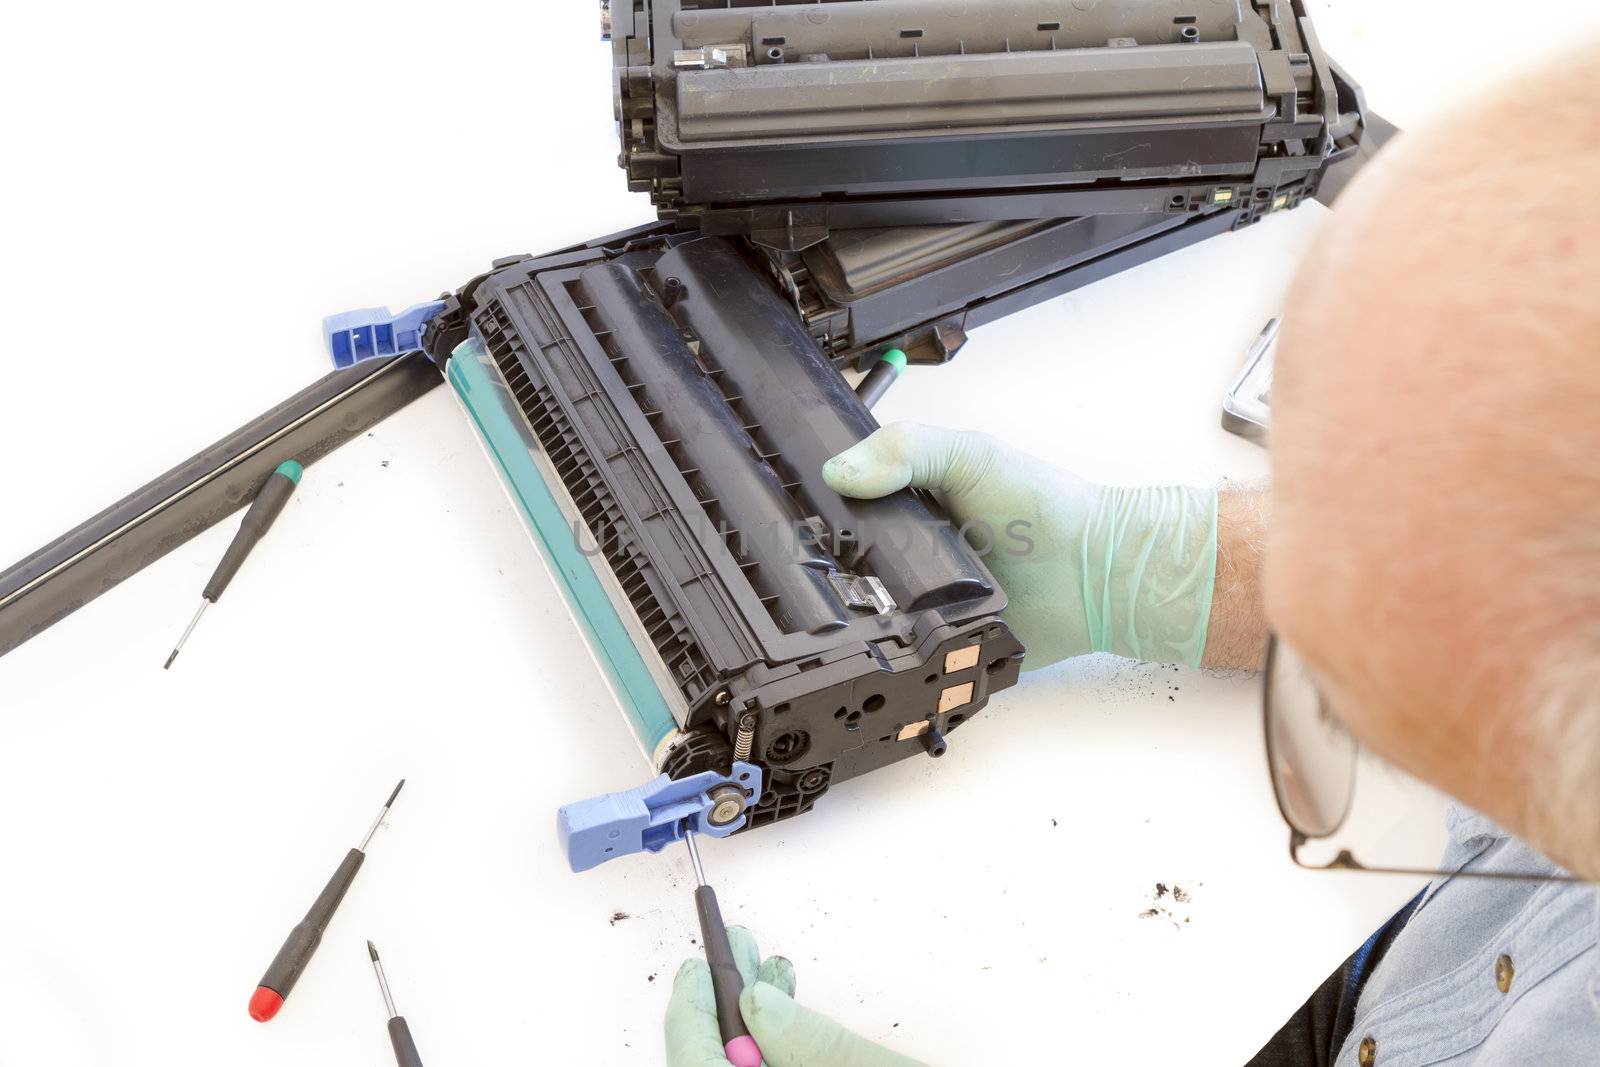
{"type": "Point", "coordinates": [686, 411]}
{"type": "Point", "coordinates": [922, 288]}
{"type": "Point", "coordinates": [787, 121]}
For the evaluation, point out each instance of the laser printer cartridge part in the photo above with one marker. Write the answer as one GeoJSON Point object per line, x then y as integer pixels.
{"type": "Point", "coordinates": [788, 121]}
{"type": "Point", "coordinates": [661, 416]}
{"type": "Point", "coordinates": [922, 288]}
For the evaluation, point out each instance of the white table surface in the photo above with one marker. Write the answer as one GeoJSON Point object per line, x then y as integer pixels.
{"type": "Point", "coordinates": [189, 188]}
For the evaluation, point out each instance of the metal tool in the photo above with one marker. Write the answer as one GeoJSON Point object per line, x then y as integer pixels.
{"type": "Point", "coordinates": [296, 953]}
{"type": "Point", "coordinates": [405, 1049]}
{"type": "Point", "coordinates": [726, 981]}
{"type": "Point", "coordinates": [258, 520]}
{"type": "Point", "coordinates": [1247, 409]}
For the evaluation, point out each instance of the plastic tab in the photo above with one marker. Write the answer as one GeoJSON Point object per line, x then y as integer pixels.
{"type": "Point", "coordinates": [649, 818]}
{"type": "Point", "coordinates": [373, 333]}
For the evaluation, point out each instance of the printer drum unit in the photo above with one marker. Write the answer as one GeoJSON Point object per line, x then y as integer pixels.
{"type": "Point", "coordinates": [785, 122]}
{"type": "Point", "coordinates": [662, 416]}
{"type": "Point", "coordinates": [1135, 85]}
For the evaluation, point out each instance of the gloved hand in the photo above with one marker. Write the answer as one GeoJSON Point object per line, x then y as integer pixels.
{"type": "Point", "coordinates": [1087, 568]}
{"type": "Point", "coordinates": [789, 1035]}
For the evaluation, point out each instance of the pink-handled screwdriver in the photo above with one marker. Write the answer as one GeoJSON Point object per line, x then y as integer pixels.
{"type": "Point", "coordinates": [726, 981]}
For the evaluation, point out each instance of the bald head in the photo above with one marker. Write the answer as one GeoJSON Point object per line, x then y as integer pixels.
{"type": "Point", "coordinates": [1435, 554]}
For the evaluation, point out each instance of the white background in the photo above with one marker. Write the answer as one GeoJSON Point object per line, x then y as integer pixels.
{"type": "Point", "coordinates": [188, 189]}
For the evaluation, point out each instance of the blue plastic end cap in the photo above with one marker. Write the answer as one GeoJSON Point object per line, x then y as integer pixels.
{"type": "Point", "coordinates": [649, 818]}
{"type": "Point", "coordinates": [374, 333]}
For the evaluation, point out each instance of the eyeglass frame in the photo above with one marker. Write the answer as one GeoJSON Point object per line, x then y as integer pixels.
{"type": "Point", "coordinates": [1345, 860]}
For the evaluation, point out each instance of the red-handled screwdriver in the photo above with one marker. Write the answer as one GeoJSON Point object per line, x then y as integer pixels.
{"type": "Point", "coordinates": [290, 963]}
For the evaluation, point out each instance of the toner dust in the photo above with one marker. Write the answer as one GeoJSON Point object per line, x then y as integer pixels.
{"type": "Point", "coordinates": [1170, 902]}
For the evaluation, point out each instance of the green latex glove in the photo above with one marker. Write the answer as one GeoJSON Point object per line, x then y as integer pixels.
{"type": "Point", "coordinates": [789, 1035]}
{"type": "Point", "coordinates": [1087, 568]}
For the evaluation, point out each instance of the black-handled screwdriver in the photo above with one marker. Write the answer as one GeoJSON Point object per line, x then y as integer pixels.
{"type": "Point", "coordinates": [258, 520]}
{"type": "Point", "coordinates": [297, 951]}
{"type": "Point", "coordinates": [405, 1049]}
{"type": "Point", "coordinates": [726, 981]}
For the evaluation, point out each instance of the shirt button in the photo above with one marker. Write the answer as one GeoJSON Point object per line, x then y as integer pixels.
{"type": "Point", "coordinates": [1367, 1054]}
{"type": "Point", "coordinates": [1504, 973]}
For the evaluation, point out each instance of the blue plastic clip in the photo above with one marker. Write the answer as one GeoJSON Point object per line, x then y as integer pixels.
{"type": "Point", "coordinates": [649, 818]}
{"type": "Point", "coordinates": [372, 333]}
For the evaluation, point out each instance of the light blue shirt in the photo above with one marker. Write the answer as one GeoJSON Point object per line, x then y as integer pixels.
{"type": "Point", "coordinates": [1435, 999]}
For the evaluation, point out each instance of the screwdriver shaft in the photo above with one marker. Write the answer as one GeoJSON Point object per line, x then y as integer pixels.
{"type": "Point", "coordinates": [383, 981]}
{"type": "Point", "coordinates": [382, 815]}
{"type": "Point", "coordinates": [405, 1047]}
{"type": "Point", "coordinates": [204, 603]}
{"type": "Point", "coordinates": [694, 858]}
{"type": "Point", "coordinates": [726, 981]}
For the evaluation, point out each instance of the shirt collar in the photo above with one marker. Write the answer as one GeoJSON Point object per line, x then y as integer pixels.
{"type": "Point", "coordinates": [1470, 830]}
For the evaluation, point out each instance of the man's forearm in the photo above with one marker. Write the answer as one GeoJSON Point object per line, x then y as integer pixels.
{"type": "Point", "coordinates": [1237, 636]}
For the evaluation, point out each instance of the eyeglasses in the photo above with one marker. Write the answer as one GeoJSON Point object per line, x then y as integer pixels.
{"type": "Point", "coordinates": [1312, 759]}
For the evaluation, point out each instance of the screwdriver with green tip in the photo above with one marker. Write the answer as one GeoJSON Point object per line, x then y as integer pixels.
{"type": "Point", "coordinates": [258, 520]}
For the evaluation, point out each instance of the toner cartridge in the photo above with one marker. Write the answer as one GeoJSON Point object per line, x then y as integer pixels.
{"type": "Point", "coordinates": [921, 288]}
{"type": "Point", "coordinates": [661, 416]}
{"type": "Point", "coordinates": [788, 121]}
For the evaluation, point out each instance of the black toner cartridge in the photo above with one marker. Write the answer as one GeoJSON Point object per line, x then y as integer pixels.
{"type": "Point", "coordinates": [786, 121]}
{"type": "Point", "coordinates": [921, 288]}
{"type": "Point", "coordinates": [660, 415]}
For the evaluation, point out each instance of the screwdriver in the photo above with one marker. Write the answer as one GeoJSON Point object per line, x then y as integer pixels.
{"type": "Point", "coordinates": [297, 951]}
{"type": "Point", "coordinates": [883, 374]}
{"type": "Point", "coordinates": [257, 521]}
{"type": "Point", "coordinates": [405, 1049]}
{"type": "Point", "coordinates": [726, 982]}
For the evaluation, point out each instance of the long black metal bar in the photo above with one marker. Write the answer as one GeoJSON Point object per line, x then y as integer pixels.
{"type": "Point", "coordinates": [203, 490]}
